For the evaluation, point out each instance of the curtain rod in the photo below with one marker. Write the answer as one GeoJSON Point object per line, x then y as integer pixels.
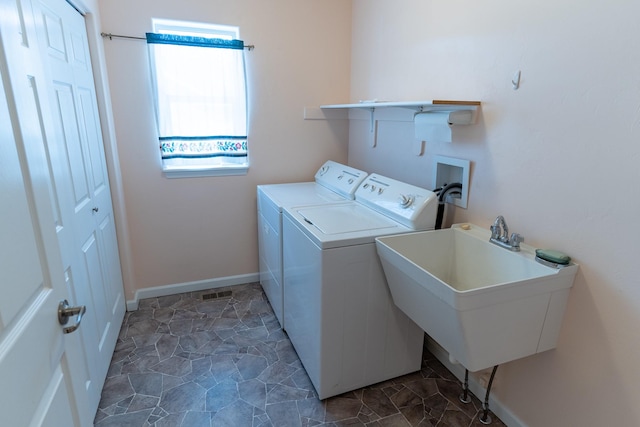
{"type": "Point", "coordinates": [111, 36]}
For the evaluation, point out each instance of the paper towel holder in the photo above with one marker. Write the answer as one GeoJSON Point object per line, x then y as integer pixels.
{"type": "Point", "coordinates": [436, 125]}
{"type": "Point", "coordinates": [456, 117]}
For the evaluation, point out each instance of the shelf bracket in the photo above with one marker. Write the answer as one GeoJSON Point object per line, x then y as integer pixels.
{"type": "Point", "coordinates": [371, 118]}
{"type": "Point", "coordinates": [373, 128]}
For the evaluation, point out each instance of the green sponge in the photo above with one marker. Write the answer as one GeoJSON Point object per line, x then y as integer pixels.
{"type": "Point", "coordinates": [553, 256]}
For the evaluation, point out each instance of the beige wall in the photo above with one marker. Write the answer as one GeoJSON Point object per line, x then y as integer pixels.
{"type": "Point", "coordinates": [558, 158]}
{"type": "Point", "coordinates": [185, 230]}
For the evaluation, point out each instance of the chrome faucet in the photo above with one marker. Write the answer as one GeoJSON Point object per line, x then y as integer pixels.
{"type": "Point", "coordinates": [500, 235]}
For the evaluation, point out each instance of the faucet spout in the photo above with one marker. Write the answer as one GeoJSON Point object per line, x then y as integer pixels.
{"type": "Point", "coordinates": [501, 228]}
{"type": "Point", "coordinates": [500, 235]}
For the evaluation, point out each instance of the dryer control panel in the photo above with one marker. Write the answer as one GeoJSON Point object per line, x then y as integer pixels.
{"type": "Point", "coordinates": [340, 178]}
{"type": "Point", "coordinates": [411, 206]}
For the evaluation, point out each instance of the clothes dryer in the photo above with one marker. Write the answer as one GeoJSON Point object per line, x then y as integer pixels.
{"type": "Point", "coordinates": [334, 183]}
{"type": "Point", "coordinates": [339, 313]}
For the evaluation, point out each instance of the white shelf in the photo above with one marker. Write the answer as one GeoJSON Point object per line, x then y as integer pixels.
{"type": "Point", "coordinates": [413, 105]}
{"type": "Point", "coordinates": [397, 110]}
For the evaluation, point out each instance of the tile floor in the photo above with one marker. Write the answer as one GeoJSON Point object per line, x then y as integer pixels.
{"type": "Point", "coordinates": [187, 362]}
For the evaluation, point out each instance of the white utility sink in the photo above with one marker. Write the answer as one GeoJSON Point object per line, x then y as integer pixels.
{"type": "Point", "coordinates": [482, 303]}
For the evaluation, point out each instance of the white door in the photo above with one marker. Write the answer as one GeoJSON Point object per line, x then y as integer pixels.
{"type": "Point", "coordinates": [86, 229]}
{"type": "Point", "coordinates": [35, 373]}
{"type": "Point", "coordinates": [54, 115]}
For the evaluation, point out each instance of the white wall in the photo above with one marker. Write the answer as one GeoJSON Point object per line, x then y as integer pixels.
{"type": "Point", "coordinates": [185, 230]}
{"type": "Point", "coordinates": [558, 158]}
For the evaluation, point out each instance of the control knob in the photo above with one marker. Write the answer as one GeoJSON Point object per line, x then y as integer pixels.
{"type": "Point", "coordinates": [406, 201]}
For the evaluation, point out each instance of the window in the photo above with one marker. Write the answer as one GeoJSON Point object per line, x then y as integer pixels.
{"type": "Point", "coordinates": [199, 84]}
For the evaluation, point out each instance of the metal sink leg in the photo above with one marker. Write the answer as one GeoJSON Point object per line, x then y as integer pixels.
{"type": "Point", "coordinates": [464, 397]}
{"type": "Point", "coordinates": [485, 418]}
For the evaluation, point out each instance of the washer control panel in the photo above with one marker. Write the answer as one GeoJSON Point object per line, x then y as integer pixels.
{"type": "Point", "coordinates": [412, 206]}
{"type": "Point", "coordinates": [340, 178]}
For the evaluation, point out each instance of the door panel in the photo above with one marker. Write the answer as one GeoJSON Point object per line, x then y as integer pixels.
{"type": "Point", "coordinates": [14, 229]}
{"type": "Point", "coordinates": [69, 140]}
{"type": "Point", "coordinates": [53, 411]}
{"type": "Point", "coordinates": [107, 238]}
{"type": "Point", "coordinates": [89, 120]}
{"type": "Point", "coordinates": [91, 260]}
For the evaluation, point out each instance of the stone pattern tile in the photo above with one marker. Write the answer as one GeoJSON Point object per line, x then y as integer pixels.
{"type": "Point", "coordinates": [185, 361]}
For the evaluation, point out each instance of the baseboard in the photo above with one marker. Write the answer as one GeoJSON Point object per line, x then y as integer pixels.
{"type": "Point", "coordinates": [200, 285]}
{"type": "Point", "coordinates": [495, 405]}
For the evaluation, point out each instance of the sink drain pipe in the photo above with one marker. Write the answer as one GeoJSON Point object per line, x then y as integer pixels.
{"type": "Point", "coordinates": [442, 192]}
{"type": "Point", "coordinates": [464, 397]}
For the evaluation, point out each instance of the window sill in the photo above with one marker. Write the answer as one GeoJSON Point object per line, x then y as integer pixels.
{"type": "Point", "coordinates": [182, 172]}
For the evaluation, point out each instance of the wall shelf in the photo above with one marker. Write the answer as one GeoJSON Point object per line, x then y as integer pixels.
{"type": "Point", "coordinates": [433, 105]}
{"type": "Point", "coordinates": [341, 111]}
{"type": "Point", "coordinates": [457, 113]}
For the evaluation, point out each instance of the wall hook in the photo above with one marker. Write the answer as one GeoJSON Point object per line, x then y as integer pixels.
{"type": "Point", "coordinates": [515, 80]}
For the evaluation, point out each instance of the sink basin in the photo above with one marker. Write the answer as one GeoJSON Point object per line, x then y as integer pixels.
{"type": "Point", "coordinates": [482, 303]}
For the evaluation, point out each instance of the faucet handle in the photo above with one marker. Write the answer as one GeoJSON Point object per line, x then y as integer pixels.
{"type": "Point", "coordinates": [515, 240]}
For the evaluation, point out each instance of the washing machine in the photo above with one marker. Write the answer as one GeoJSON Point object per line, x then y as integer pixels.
{"type": "Point", "coordinates": [339, 313]}
{"type": "Point", "coordinates": [334, 183]}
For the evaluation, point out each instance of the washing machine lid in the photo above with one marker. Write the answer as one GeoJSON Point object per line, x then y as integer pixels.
{"type": "Point", "coordinates": [347, 218]}
{"type": "Point", "coordinates": [341, 225]}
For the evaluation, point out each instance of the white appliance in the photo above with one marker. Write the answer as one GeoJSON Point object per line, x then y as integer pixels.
{"type": "Point", "coordinates": [334, 183]}
{"type": "Point", "coordinates": [338, 310]}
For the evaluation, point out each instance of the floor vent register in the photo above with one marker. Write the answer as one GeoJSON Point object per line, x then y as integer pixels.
{"type": "Point", "coordinates": [216, 295]}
